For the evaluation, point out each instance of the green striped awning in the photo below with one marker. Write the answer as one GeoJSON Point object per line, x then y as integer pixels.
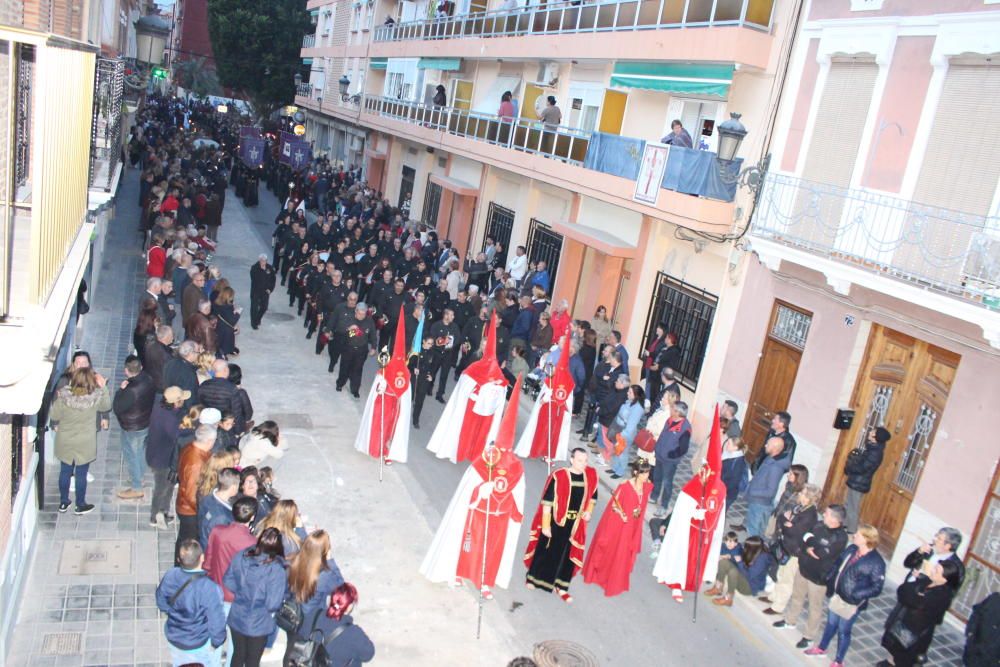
{"type": "Point", "coordinates": [378, 63]}
{"type": "Point", "coordinates": [313, 12]}
{"type": "Point", "coordinates": [307, 61]}
{"type": "Point", "coordinates": [693, 79]}
{"type": "Point", "coordinates": [444, 64]}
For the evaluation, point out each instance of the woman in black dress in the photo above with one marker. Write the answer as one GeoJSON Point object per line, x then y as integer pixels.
{"type": "Point", "coordinates": [228, 326]}
{"type": "Point", "coordinates": [921, 605]}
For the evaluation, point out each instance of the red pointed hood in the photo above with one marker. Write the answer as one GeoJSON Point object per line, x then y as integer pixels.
{"type": "Point", "coordinates": [487, 369]}
{"type": "Point", "coordinates": [561, 382]}
{"type": "Point", "coordinates": [399, 344]}
{"type": "Point", "coordinates": [501, 455]}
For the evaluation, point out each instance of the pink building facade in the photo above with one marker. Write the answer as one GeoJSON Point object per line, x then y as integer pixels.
{"type": "Point", "coordinates": [870, 278]}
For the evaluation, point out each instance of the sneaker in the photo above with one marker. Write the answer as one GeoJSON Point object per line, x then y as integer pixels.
{"type": "Point", "coordinates": [815, 651]}
{"type": "Point", "coordinates": [836, 664]}
{"type": "Point", "coordinates": [161, 521]}
{"type": "Point", "coordinates": [83, 509]}
{"type": "Point", "coordinates": [781, 625]}
{"type": "Point", "coordinates": [771, 612]}
{"type": "Point", "coordinates": [803, 643]}
{"type": "Point", "coordinates": [90, 478]}
{"type": "Point", "coordinates": [63, 507]}
{"type": "Point", "coordinates": [130, 494]}
{"type": "Point", "coordinates": [152, 522]}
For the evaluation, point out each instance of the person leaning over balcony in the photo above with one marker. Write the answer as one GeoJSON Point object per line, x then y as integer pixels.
{"type": "Point", "coordinates": [75, 408]}
{"type": "Point", "coordinates": [678, 136]}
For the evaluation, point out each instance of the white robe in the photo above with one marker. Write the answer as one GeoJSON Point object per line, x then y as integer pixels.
{"type": "Point", "coordinates": [560, 448]}
{"type": "Point", "coordinates": [672, 562]}
{"type": "Point", "coordinates": [441, 562]}
{"type": "Point", "coordinates": [399, 444]}
{"type": "Point", "coordinates": [488, 400]}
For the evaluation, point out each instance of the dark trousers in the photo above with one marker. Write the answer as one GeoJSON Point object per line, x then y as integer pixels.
{"type": "Point", "coordinates": [163, 491]}
{"type": "Point", "coordinates": [247, 650]}
{"type": "Point", "coordinates": [352, 361]}
{"type": "Point", "coordinates": [385, 335]}
{"type": "Point", "coordinates": [187, 530]}
{"type": "Point", "coordinates": [258, 306]}
{"type": "Point", "coordinates": [79, 470]}
{"type": "Point", "coordinates": [286, 264]}
{"type": "Point", "coordinates": [447, 364]}
{"type": "Point", "coordinates": [420, 391]}
{"type": "Point", "coordinates": [335, 347]}
{"type": "Point", "coordinates": [212, 231]}
{"type": "Point", "coordinates": [663, 479]}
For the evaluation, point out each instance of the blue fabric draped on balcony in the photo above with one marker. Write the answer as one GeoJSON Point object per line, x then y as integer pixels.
{"type": "Point", "coordinates": [689, 171]}
{"type": "Point", "coordinates": [615, 155]}
{"type": "Point", "coordinates": [697, 172]}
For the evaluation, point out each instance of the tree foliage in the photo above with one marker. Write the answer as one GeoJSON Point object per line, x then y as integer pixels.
{"type": "Point", "coordinates": [256, 45]}
{"type": "Point", "coordinates": [194, 75]}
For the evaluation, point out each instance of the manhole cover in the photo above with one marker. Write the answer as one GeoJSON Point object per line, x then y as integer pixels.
{"type": "Point", "coordinates": [96, 557]}
{"type": "Point", "coordinates": [61, 643]}
{"type": "Point", "coordinates": [280, 317]}
{"type": "Point", "coordinates": [560, 653]}
{"type": "Point", "coordinates": [291, 419]}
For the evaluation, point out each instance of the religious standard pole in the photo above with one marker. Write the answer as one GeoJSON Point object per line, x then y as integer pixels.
{"type": "Point", "coordinates": [383, 361]}
{"type": "Point", "coordinates": [704, 474]}
{"type": "Point", "coordinates": [549, 372]}
{"type": "Point", "coordinates": [491, 456]}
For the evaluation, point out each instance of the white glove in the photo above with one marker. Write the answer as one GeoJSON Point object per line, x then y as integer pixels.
{"type": "Point", "coordinates": [699, 514]}
{"type": "Point", "coordinates": [485, 489]}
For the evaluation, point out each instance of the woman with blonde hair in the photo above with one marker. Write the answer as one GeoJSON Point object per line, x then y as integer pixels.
{"type": "Point", "coordinates": [189, 422]}
{"type": "Point", "coordinates": [204, 364]}
{"type": "Point", "coordinates": [209, 477]}
{"type": "Point", "coordinates": [286, 519]}
{"type": "Point", "coordinates": [75, 408]}
{"type": "Point", "coordinates": [229, 317]}
{"type": "Point", "coordinates": [313, 574]}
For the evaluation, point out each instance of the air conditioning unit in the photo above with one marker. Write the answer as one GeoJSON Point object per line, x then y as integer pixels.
{"type": "Point", "coordinates": [548, 74]}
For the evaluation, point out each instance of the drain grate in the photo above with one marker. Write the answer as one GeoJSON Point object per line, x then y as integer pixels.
{"type": "Point", "coordinates": [561, 653]}
{"type": "Point", "coordinates": [61, 643]}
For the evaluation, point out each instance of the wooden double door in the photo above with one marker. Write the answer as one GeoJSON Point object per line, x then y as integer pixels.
{"type": "Point", "coordinates": [903, 387]}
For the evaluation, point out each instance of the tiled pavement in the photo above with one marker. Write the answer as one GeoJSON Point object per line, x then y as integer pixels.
{"type": "Point", "coordinates": [112, 619]}
{"type": "Point", "coordinates": [104, 619]}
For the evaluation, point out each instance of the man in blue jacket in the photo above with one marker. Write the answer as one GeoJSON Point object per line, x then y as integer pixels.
{"type": "Point", "coordinates": [216, 508]}
{"type": "Point", "coordinates": [196, 624]}
{"type": "Point", "coordinates": [764, 485]}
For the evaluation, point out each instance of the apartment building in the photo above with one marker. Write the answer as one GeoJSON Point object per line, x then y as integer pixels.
{"type": "Point", "coordinates": [620, 72]}
{"type": "Point", "coordinates": [61, 104]}
{"type": "Point", "coordinates": [870, 278]}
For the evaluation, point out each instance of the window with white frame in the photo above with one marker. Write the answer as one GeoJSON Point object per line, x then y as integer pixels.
{"type": "Point", "coordinates": [585, 104]}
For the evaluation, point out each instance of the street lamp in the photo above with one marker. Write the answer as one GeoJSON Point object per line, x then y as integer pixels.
{"type": "Point", "coordinates": [344, 83]}
{"type": "Point", "coordinates": [731, 134]}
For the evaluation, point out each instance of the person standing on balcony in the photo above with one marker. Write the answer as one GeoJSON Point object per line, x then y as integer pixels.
{"type": "Point", "coordinates": [518, 265]}
{"type": "Point", "coordinates": [678, 136]}
{"type": "Point", "coordinates": [551, 116]}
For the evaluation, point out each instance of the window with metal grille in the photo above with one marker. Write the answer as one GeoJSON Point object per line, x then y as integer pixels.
{"type": "Point", "coordinates": [687, 311]}
{"type": "Point", "coordinates": [982, 562]}
{"type": "Point", "coordinates": [499, 225]}
{"type": "Point", "coordinates": [545, 245]}
{"type": "Point", "coordinates": [918, 444]}
{"type": "Point", "coordinates": [432, 204]}
{"type": "Point", "coordinates": [791, 326]}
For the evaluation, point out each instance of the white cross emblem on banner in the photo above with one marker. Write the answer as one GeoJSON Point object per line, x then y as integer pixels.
{"type": "Point", "coordinates": [253, 153]}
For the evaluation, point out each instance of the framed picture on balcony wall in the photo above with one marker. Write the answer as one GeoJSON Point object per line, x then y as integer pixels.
{"type": "Point", "coordinates": [651, 168]}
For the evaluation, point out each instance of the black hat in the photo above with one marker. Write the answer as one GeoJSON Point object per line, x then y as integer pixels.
{"type": "Point", "coordinates": [882, 435]}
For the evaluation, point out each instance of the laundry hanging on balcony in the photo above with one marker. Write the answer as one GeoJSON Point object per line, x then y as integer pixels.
{"type": "Point", "coordinates": [443, 64]}
{"type": "Point", "coordinates": [687, 78]}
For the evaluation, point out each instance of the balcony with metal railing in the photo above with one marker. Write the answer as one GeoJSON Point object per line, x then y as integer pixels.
{"type": "Point", "coordinates": [853, 234]}
{"type": "Point", "coordinates": [106, 124]}
{"type": "Point", "coordinates": [558, 18]}
{"type": "Point", "coordinates": [309, 41]}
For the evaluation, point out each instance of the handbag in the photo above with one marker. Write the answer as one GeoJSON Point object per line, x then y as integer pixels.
{"type": "Point", "coordinates": [841, 608]}
{"type": "Point", "coordinates": [779, 553]}
{"type": "Point", "coordinates": [645, 441]}
{"type": "Point", "coordinates": [898, 630]}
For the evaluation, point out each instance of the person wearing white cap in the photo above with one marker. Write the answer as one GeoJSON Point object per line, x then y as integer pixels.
{"type": "Point", "coordinates": [262, 281]}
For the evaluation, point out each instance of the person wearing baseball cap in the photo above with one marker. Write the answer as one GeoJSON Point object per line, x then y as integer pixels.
{"type": "Point", "coordinates": [862, 463]}
{"type": "Point", "coordinates": [161, 446]}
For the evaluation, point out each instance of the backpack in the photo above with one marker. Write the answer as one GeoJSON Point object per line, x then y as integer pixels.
{"type": "Point", "coordinates": [310, 650]}
{"type": "Point", "coordinates": [289, 616]}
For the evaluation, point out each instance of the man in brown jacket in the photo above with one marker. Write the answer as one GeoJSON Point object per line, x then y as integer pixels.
{"type": "Point", "coordinates": [193, 458]}
{"type": "Point", "coordinates": [192, 294]}
{"type": "Point", "coordinates": [201, 327]}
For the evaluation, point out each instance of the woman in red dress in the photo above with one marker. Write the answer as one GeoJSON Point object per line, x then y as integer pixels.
{"type": "Point", "coordinates": [618, 539]}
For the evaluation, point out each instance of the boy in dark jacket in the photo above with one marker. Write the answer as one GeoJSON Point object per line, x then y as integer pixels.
{"type": "Point", "coordinates": [196, 625]}
{"type": "Point", "coordinates": [862, 463]}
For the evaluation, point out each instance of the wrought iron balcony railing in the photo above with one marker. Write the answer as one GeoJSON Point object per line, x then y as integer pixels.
{"type": "Point", "coordinates": [940, 249]}
{"type": "Point", "coordinates": [568, 144]}
{"type": "Point", "coordinates": [305, 89]}
{"type": "Point", "coordinates": [106, 123]}
{"type": "Point", "coordinates": [309, 41]}
{"type": "Point", "coordinates": [571, 17]}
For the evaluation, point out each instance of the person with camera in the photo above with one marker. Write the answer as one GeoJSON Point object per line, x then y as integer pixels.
{"type": "Point", "coordinates": [920, 607]}
{"type": "Point", "coordinates": [791, 530]}
{"type": "Point", "coordinates": [862, 464]}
